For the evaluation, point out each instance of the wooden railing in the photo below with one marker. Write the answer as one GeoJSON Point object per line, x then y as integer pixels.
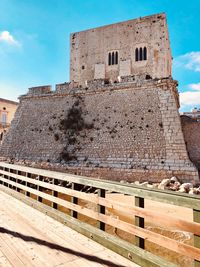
{"type": "Point", "coordinates": [39, 187]}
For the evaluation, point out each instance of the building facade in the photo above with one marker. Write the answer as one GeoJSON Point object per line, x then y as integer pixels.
{"type": "Point", "coordinates": [7, 111]}
{"type": "Point", "coordinates": [194, 114]}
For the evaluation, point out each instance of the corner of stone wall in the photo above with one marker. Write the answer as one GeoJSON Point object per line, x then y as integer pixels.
{"type": "Point", "coordinates": [176, 151]}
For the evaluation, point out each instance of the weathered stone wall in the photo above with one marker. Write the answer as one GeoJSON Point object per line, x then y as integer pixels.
{"type": "Point", "coordinates": [90, 50]}
{"type": "Point", "coordinates": [191, 132]}
{"type": "Point", "coordinates": [130, 130]}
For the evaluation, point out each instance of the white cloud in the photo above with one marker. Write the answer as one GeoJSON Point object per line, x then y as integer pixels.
{"type": "Point", "coordinates": [192, 96]}
{"type": "Point", "coordinates": [194, 86]}
{"type": "Point", "coordinates": [189, 61]}
{"type": "Point", "coordinates": [6, 37]}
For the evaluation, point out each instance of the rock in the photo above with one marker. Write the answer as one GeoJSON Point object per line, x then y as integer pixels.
{"type": "Point", "coordinates": [174, 186]}
{"type": "Point", "coordinates": [191, 191]}
{"type": "Point", "coordinates": [150, 186]}
{"type": "Point", "coordinates": [181, 190]}
{"type": "Point", "coordinates": [144, 184]}
{"type": "Point", "coordinates": [137, 183]}
{"type": "Point", "coordinates": [155, 185]}
{"type": "Point", "coordinates": [173, 179]}
{"type": "Point", "coordinates": [197, 191]}
{"type": "Point", "coordinates": [185, 187]}
{"type": "Point", "coordinates": [164, 184]}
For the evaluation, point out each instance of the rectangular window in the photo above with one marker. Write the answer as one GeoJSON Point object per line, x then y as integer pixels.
{"type": "Point", "coordinates": [4, 118]}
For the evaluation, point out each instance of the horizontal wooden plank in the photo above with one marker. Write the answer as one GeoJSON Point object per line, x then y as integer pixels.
{"type": "Point", "coordinates": [162, 218]}
{"type": "Point", "coordinates": [124, 248]}
{"type": "Point", "coordinates": [163, 241]}
{"type": "Point", "coordinates": [10, 255]}
{"type": "Point", "coordinates": [180, 199]}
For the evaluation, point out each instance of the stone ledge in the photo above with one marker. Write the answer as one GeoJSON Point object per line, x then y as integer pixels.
{"type": "Point", "coordinates": [99, 86]}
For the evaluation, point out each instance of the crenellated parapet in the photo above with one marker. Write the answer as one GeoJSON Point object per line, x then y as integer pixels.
{"type": "Point", "coordinates": [39, 90]}
{"type": "Point", "coordinates": [102, 85]}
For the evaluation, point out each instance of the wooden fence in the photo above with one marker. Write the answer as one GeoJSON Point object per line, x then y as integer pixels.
{"type": "Point", "coordinates": [35, 186]}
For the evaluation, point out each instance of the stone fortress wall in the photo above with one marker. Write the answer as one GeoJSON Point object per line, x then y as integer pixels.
{"type": "Point", "coordinates": [129, 130]}
{"type": "Point", "coordinates": [108, 123]}
{"type": "Point", "coordinates": [191, 132]}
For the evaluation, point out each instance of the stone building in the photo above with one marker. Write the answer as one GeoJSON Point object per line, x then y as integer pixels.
{"type": "Point", "coordinates": [194, 114]}
{"type": "Point", "coordinates": [118, 116]}
{"type": "Point", "coordinates": [139, 46]}
{"type": "Point", "coordinates": [7, 111]}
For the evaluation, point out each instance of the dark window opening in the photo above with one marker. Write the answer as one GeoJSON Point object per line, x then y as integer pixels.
{"type": "Point", "coordinates": [145, 53]}
{"type": "Point", "coordinates": [116, 58]}
{"type": "Point", "coordinates": [136, 54]}
{"type": "Point", "coordinates": [109, 59]}
{"type": "Point", "coordinates": [113, 58]}
{"type": "Point", "coordinates": [141, 54]}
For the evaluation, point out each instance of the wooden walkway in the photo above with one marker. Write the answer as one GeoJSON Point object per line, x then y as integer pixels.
{"type": "Point", "coordinates": [30, 238]}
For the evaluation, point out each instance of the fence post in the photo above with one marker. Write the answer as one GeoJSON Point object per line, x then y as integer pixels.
{"type": "Point", "coordinates": [11, 179]}
{"type": "Point", "coordinates": [74, 200]}
{"type": "Point", "coordinates": [39, 188]}
{"type": "Point", "coordinates": [2, 168]}
{"type": "Point", "coordinates": [196, 218]}
{"type": "Point", "coordinates": [17, 181]}
{"type": "Point", "coordinates": [27, 184]}
{"type": "Point", "coordinates": [101, 209]}
{"type": "Point", "coordinates": [139, 221]}
{"type": "Point", "coordinates": [55, 194]}
{"type": "Point", "coordinates": [6, 176]}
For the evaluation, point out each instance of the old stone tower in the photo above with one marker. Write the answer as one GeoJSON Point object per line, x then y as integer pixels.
{"type": "Point", "coordinates": [118, 116]}
{"type": "Point", "coordinates": [133, 47]}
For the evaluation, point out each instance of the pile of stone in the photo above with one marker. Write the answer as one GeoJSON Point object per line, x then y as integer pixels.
{"type": "Point", "coordinates": [173, 184]}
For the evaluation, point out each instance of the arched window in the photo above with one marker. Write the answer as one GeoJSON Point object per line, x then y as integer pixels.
{"type": "Point", "coordinates": [145, 53]}
{"type": "Point", "coordinates": [116, 57]}
{"type": "Point", "coordinates": [109, 59]}
{"type": "Point", "coordinates": [136, 54]}
{"type": "Point", "coordinates": [113, 58]}
{"type": "Point", "coordinates": [140, 54]}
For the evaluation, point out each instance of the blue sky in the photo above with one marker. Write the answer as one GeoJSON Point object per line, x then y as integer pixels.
{"type": "Point", "coordinates": [34, 39]}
